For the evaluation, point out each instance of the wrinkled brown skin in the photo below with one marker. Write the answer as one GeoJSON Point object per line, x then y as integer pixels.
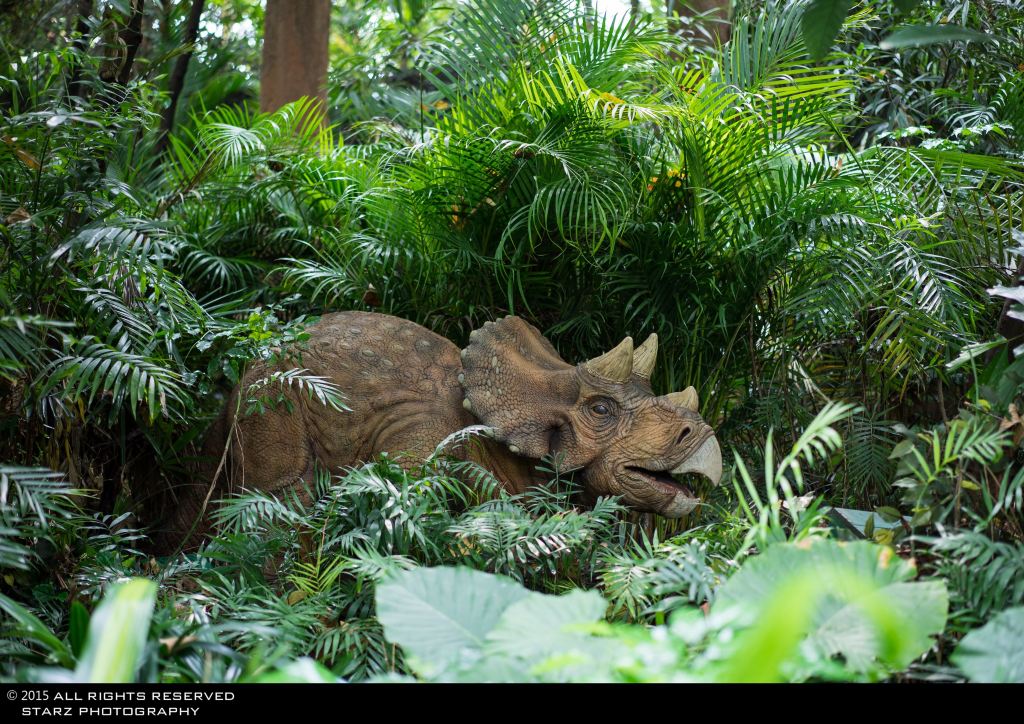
{"type": "Point", "coordinates": [408, 389]}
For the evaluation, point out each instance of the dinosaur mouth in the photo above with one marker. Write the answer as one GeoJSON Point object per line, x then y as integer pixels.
{"type": "Point", "coordinates": [661, 478]}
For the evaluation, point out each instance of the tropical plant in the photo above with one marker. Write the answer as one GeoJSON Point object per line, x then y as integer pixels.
{"type": "Point", "coordinates": [828, 609]}
{"type": "Point", "coordinates": [823, 234]}
{"type": "Point", "coordinates": [992, 653]}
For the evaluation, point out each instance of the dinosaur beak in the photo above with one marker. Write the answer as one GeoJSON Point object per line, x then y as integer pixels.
{"type": "Point", "coordinates": [707, 461]}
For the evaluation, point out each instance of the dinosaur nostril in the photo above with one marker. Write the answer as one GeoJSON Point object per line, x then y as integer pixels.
{"type": "Point", "coordinates": [683, 434]}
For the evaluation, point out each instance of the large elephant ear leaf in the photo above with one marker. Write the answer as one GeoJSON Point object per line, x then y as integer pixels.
{"type": "Point", "coordinates": [441, 616]}
{"type": "Point", "coordinates": [540, 625]}
{"type": "Point", "coordinates": [462, 625]}
{"type": "Point", "coordinates": [857, 601]}
{"type": "Point", "coordinates": [994, 653]}
{"type": "Point", "coordinates": [516, 383]}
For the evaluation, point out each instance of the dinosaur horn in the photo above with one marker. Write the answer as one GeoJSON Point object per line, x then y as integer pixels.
{"type": "Point", "coordinates": [644, 357]}
{"type": "Point", "coordinates": [614, 366]}
{"type": "Point", "coordinates": [687, 398]}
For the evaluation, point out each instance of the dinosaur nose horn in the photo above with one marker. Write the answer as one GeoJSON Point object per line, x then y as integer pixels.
{"type": "Point", "coordinates": [687, 398]}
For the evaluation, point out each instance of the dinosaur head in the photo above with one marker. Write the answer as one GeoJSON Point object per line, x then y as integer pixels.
{"type": "Point", "coordinates": [599, 417]}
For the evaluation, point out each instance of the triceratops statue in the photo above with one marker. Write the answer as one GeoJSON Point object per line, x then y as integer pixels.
{"type": "Point", "coordinates": [409, 389]}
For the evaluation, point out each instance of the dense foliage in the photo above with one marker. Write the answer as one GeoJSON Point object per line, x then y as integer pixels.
{"type": "Point", "coordinates": [828, 245]}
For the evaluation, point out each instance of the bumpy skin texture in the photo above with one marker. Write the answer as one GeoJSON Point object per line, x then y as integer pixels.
{"type": "Point", "coordinates": [400, 383]}
{"type": "Point", "coordinates": [408, 389]}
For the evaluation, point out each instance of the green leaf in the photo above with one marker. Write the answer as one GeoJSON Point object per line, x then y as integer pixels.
{"type": "Point", "coordinates": [915, 36]}
{"type": "Point", "coordinates": [973, 351]}
{"type": "Point", "coordinates": [756, 581]}
{"type": "Point", "coordinates": [903, 447]}
{"type": "Point", "coordinates": [117, 634]}
{"type": "Point", "coordinates": [994, 653]}
{"type": "Point", "coordinates": [921, 517]}
{"type": "Point", "coordinates": [540, 625]}
{"type": "Point", "coordinates": [301, 671]}
{"type": "Point", "coordinates": [820, 24]}
{"type": "Point", "coordinates": [855, 600]}
{"type": "Point", "coordinates": [782, 622]}
{"type": "Point", "coordinates": [78, 628]}
{"type": "Point", "coordinates": [920, 610]}
{"type": "Point", "coordinates": [441, 616]}
{"type": "Point", "coordinates": [31, 628]}
{"type": "Point", "coordinates": [889, 514]}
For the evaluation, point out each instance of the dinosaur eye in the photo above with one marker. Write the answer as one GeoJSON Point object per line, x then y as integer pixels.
{"type": "Point", "coordinates": [600, 409]}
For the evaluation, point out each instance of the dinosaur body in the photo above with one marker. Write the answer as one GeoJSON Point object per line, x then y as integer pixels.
{"type": "Point", "coordinates": [399, 380]}
{"type": "Point", "coordinates": [408, 389]}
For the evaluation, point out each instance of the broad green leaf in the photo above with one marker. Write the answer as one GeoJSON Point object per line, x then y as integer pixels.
{"type": "Point", "coordinates": [915, 36]}
{"type": "Point", "coordinates": [994, 653]}
{"type": "Point", "coordinates": [919, 609]}
{"type": "Point", "coordinates": [541, 626]}
{"type": "Point", "coordinates": [491, 669]}
{"type": "Point", "coordinates": [820, 24]}
{"type": "Point", "coordinates": [903, 447]}
{"type": "Point", "coordinates": [536, 624]}
{"type": "Point", "coordinates": [853, 600]}
{"type": "Point", "coordinates": [301, 671]}
{"type": "Point", "coordinates": [757, 580]}
{"type": "Point", "coordinates": [78, 628]}
{"type": "Point", "coordinates": [782, 621]}
{"type": "Point", "coordinates": [117, 634]}
{"type": "Point", "coordinates": [888, 513]}
{"type": "Point", "coordinates": [441, 616]}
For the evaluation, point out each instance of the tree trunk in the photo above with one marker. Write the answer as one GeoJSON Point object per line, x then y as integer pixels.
{"type": "Point", "coordinates": [117, 69]}
{"type": "Point", "coordinates": [76, 86]}
{"type": "Point", "coordinates": [177, 80]}
{"type": "Point", "coordinates": [295, 40]}
{"type": "Point", "coordinates": [716, 14]}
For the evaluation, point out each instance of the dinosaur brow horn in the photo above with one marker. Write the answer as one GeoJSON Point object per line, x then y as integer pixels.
{"type": "Point", "coordinates": [615, 365]}
{"type": "Point", "coordinates": [645, 356]}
